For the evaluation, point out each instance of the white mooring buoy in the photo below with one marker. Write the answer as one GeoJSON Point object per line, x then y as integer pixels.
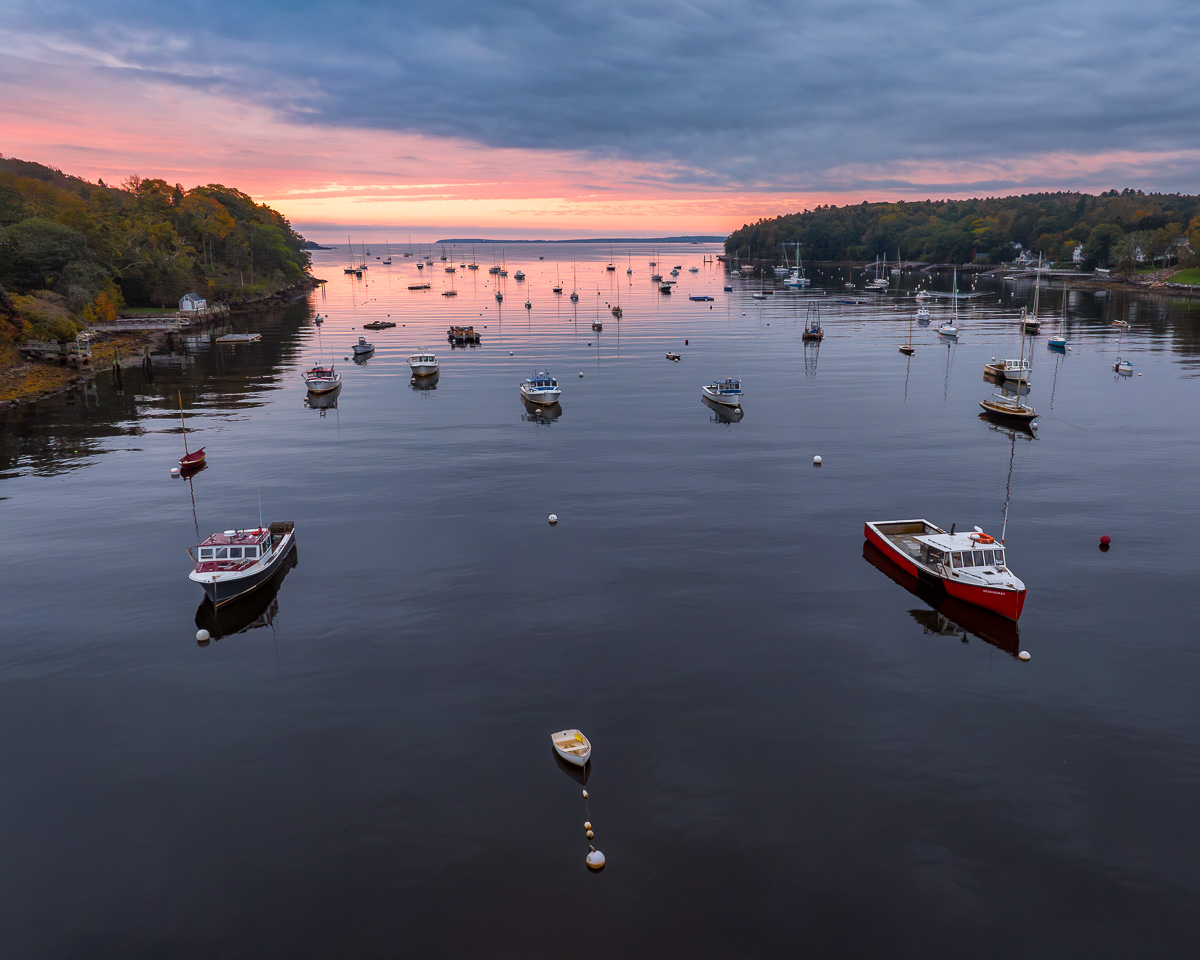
{"type": "Point", "coordinates": [587, 824]}
{"type": "Point", "coordinates": [553, 518]}
{"type": "Point", "coordinates": [1023, 655]}
{"type": "Point", "coordinates": [581, 374]}
{"type": "Point", "coordinates": [174, 471]}
{"type": "Point", "coordinates": [585, 794]}
{"type": "Point", "coordinates": [595, 859]}
{"type": "Point", "coordinates": [201, 635]}
{"type": "Point", "coordinates": [816, 461]}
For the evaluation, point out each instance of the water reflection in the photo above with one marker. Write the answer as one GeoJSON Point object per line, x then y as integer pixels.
{"type": "Point", "coordinates": [947, 616]}
{"type": "Point", "coordinates": [578, 774]}
{"type": "Point", "coordinates": [425, 383]}
{"type": "Point", "coordinates": [540, 413]}
{"type": "Point", "coordinates": [723, 414]}
{"type": "Point", "coordinates": [323, 401]}
{"type": "Point", "coordinates": [259, 608]}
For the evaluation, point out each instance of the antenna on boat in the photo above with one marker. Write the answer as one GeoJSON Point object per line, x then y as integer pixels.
{"type": "Point", "coordinates": [260, 506]}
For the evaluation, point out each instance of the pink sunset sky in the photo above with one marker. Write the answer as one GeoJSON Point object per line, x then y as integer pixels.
{"type": "Point", "coordinates": [520, 143]}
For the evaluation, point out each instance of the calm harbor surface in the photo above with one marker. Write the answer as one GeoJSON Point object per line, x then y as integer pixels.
{"type": "Point", "coordinates": [793, 751]}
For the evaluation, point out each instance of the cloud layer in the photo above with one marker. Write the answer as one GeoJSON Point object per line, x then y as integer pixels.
{"type": "Point", "coordinates": [821, 98]}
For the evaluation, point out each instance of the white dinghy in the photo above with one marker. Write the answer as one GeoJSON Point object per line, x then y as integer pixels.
{"type": "Point", "coordinates": [572, 746]}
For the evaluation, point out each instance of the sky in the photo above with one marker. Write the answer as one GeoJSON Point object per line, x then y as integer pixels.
{"type": "Point", "coordinates": [580, 118]}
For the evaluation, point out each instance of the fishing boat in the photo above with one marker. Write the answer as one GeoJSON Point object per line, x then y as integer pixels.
{"type": "Point", "coordinates": [191, 459]}
{"type": "Point", "coordinates": [363, 346]}
{"type": "Point", "coordinates": [1017, 370]}
{"type": "Point", "coordinates": [457, 334]}
{"type": "Point", "coordinates": [700, 299]}
{"type": "Point", "coordinates": [923, 315]}
{"type": "Point", "coordinates": [321, 378]}
{"type": "Point", "coordinates": [541, 389]}
{"type": "Point", "coordinates": [812, 325]}
{"type": "Point", "coordinates": [727, 392]}
{"type": "Point", "coordinates": [656, 277]}
{"type": "Point", "coordinates": [423, 363]}
{"type": "Point", "coordinates": [419, 286]}
{"type": "Point", "coordinates": [232, 563]}
{"type": "Point", "coordinates": [664, 287]}
{"type": "Point", "coordinates": [519, 275]}
{"type": "Point", "coordinates": [572, 746]}
{"type": "Point", "coordinates": [378, 325]}
{"type": "Point", "coordinates": [969, 566]}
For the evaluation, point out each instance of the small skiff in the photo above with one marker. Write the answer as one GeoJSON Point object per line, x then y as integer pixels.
{"type": "Point", "coordinates": [572, 746]}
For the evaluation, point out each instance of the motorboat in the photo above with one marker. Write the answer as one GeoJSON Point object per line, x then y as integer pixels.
{"type": "Point", "coordinates": [671, 355]}
{"type": "Point", "coordinates": [572, 746]}
{"type": "Point", "coordinates": [812, 326]}
{"type": "Point", "coordinates": [1121, 366]}
{"type": "Point", "coordinates": [541, 388]}
{"type": "Point", "coordinates": [423, 363]}
{"type": "Point", "coordinates": [363, 346]}
{"type": "Point", "coordinates": [664, 287]}
{"type": "Point", "coordinates": [727, 392]}
{"type": "Point", "coordinates": [232, 563]}
{"type": "Point", "coordinates": [252, 610]}
{"type": "Point", "coordinates": [700, 299]}
{"type": "Point", "coordinates": [1017, 370]}
{"type": "Point", "coordinates": [420, 286]}
{"type": "Point", "coordinates": [321, 378]}
{"type": "Point", "coordinates": [923, 315]}
{"type": "Point", "coordinates": [519, 275]}
{"type": "Point", "coordinates": [378, 325]}
{"type": "Point", "coordinates": [969, 566]}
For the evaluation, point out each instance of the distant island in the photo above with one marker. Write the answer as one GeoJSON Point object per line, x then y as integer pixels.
{"type": "Point", "coordinates": [1127, 230]}
{"type": "Point", "coordinates": [703, 239]}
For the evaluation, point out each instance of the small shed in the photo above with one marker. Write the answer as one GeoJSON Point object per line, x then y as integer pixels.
{"type": "Point", "coordinates": [192, 302]}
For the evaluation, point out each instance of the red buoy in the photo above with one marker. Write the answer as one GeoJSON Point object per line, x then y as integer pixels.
{"type": "Point", "coordinates": [685, 343]}
{"type": "Point", "coordinates": [1106, 540]}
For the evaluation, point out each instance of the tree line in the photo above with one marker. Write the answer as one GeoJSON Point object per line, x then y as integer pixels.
{"type": "Point", "coordinates": [72, 250]}
{"type": "Point", "coordinates": [1117, 229]}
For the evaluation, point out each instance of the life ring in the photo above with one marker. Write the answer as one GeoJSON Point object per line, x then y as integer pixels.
{"type": "Point", "coordinates": [982, 538]}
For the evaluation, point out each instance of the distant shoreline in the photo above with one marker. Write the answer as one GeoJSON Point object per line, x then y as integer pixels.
{"type": "Point", "coordinates": [595, 240]}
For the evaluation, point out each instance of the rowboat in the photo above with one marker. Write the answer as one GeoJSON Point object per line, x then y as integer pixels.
{"type": "Point", "coordinates": [572, 746]}
{"type": "Point", "coordinates": [968, 566]}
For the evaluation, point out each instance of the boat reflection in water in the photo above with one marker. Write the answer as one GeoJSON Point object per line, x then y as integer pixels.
{"type": "Point", "coordinates": [724, 414]}
{"type": "Point", "coordinates": [948, 617]}
{"type": "Point", "coordinates": [578, 774]}
{"type": "Point", "coordinates": [540, 413]}
{"type": "Point", "coordinates": [258, 608]}
{"type": "Point", "coordinates": [429, 382]}
{"type": "Point", "coordinates": [323, 401]}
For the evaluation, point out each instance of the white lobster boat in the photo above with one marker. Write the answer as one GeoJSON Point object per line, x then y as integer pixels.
{"type": "Point", "coordinates": [363, 346]}
{"type": "Point", "coordinates": [541, 388]}
{"type": "Point", "coordinates": [423, 364]}
{"type": "Point", "coordinates": [572, 746]}
{"type": "Point", "coordinates": [968, 566]}
{"type": "Point", "coordinates": [1016, 370]}
{"type": "Point", "coordinates": [322, 379]}
{"type": "Point", "coordinates": [232, 563]}
{"type": "Point", "coordinates": [727, 392]}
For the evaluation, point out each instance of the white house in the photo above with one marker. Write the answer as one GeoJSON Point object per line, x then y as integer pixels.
{"type": "Point", "coordinates": [192, 301]}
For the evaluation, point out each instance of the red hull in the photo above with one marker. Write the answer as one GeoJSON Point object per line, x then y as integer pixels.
{"type": "Point", "coordinates": [192, 460]}
{"type": "Point", "coordinates": [1007, 603]}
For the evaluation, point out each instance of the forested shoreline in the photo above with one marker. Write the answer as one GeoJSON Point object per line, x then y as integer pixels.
{"type": "Point", "coordinates": [1125, 230]}
{"type": "Point", "coordinates": [73, 251]}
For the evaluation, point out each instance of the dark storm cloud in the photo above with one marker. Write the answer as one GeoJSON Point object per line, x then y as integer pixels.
{"type": "Point", "coordinates": [783, 94]}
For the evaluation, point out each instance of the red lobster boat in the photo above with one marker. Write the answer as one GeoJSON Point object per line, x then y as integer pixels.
{"type": "Point", "coordinates": [234, 562]}
{"type": "Point", "coordinates": [971, 567]}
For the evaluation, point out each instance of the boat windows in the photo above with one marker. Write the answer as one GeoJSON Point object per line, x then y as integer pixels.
{"type": "Point", "coordinates": [956, 559]}
{"type": "Point", "coordinates": [251, 553]}
{"type": "Point", "coordinates": [235, 553]}
{"type": "Point", "coordinates": [221, 553]}
{"type": "Point", "coordinates": [978, 558]}
{"type": "Point", "coordinates": [206, 553]}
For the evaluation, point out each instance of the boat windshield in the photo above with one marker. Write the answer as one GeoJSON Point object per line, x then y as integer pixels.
{"type": "Point", "coordinates": [977, 558]}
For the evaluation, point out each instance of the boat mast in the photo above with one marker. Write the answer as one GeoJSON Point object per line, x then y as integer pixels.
{"type": "Point", "coordinates": [184, 424]}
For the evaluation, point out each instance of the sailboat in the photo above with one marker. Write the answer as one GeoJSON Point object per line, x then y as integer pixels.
{"type": "Point", "coordinates": [191, 460]}
{"type": "Point", "coordinates": [473, 265]}
{"type": "Point", "coordinates": [1122, 365]}
{"type": "Point", "coordinates": [951, 329]}
{"type": "Point", "coordinates": [1033, 324]}
{"type": "Point", "coordinates": [596, 324]}
{"type": "Point", "coordinates": [1012, 409]}
{"type": "Point", "coordinates": [387, 246]}
{"type": "Point", "coordinates": [1059, 340]}
{"type": "Point", "coordinates": [907, 348]}
{"type": "Point", "coordinates": [352, 267]}
{"type": "Point", "coordinates": [574, 286]}
{"type": "Point", "coordinates": [629, 269]}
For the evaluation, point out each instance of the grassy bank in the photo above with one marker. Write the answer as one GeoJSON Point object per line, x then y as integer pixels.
{"type": "Point", "coordinates": [1190, 276]}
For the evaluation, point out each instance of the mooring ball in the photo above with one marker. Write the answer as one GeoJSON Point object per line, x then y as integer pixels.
{"type": "Point", "coordinates": [1023, 655]}
{"type": "Point", "coordinates": [817, 461]}
{"type": "Point", "coordinates": [585, 794]}
{"type": "Point", "coordinates": [553, 518]}
{"type": "Point", "coordinates": [595, 860]}
{"type": "Point", "coordinates": [174, 471]}
{"type": "Point", "coordinates": [201, 635]}
{"type": "Point", "coordinates": [590, 834]}
{"type": "Point", "coordinates": [587, 824]}
{"type": "Point", "coordinates": [1106, 539]}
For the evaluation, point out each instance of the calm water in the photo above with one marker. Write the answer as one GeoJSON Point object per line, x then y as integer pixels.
{"type": "Point", "coordinates": [794, 754]}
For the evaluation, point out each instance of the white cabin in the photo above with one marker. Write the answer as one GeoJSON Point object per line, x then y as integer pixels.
{"type": "Point", "coordinates": [192, 302]}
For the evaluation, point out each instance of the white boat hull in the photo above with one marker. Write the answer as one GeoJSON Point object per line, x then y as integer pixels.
{"type": "Point", "coordinates": [544, 397]}
{"type": "Point", "coordinates": [725, 399]}
{"type": "Point", "coordinates": [323, 385]}
{"type": "Point", "coordinates": [423, 369]}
